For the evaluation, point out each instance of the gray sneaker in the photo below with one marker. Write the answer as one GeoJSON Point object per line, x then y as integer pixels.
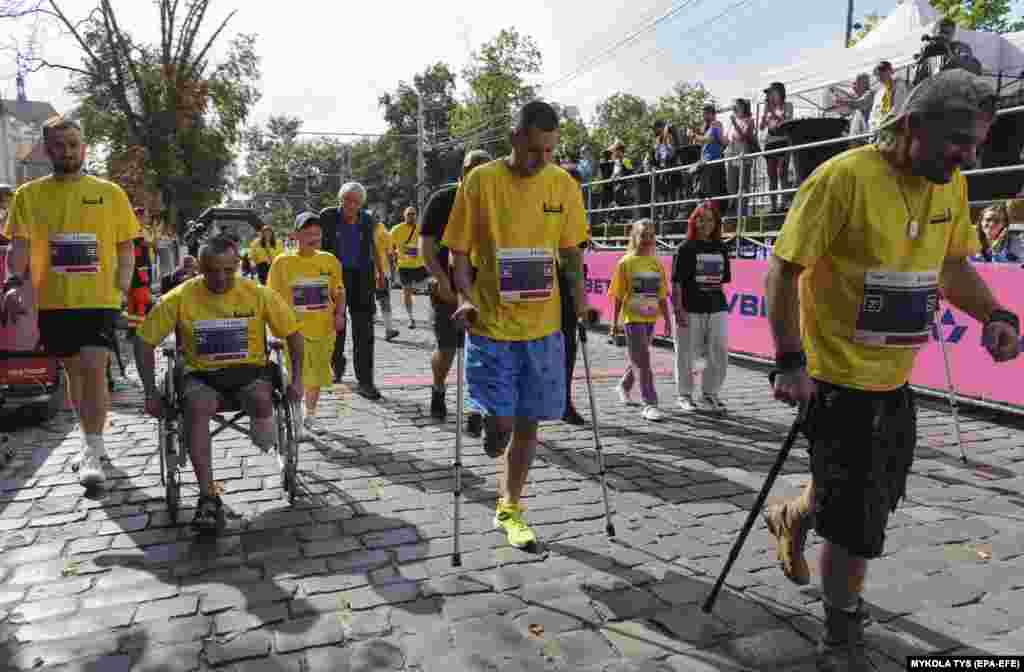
{"type": "Point", "coordinates": [841, 647]}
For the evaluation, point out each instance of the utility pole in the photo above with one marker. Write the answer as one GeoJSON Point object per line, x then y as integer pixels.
{"type": "Point", "coordinates": [849, 22]}
{"type": "Point", "coordinates": [421, 163]}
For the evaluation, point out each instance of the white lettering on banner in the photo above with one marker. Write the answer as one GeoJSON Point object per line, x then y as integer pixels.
{"type": "Point", "coordinates": [710, 270]}
{"type": "Point", "coordinates": [897, 309]}
{"type": "Point", "coordinates": [646, 291]}
{"type": "Point", "coordinates": [222, 340]}
{"type": "Point", "coordinates": [526, 274]}
{"type": "Point", "coordinates": [310, 294]}
{"type": "Point", "coordinates": [74, 253]}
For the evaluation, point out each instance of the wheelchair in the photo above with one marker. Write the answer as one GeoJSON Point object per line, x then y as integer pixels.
{"type": "Point", "coordinates": [172, 434]}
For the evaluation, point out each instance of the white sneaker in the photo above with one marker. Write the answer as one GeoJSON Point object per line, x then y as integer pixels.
{"type": "Point", "coordinates": [686, 404]}
{"type": "Point", "coordinates": [313, 426]}
{"type": "Point", "coordinates": [79, 457]}
{"type": "Point", "coordinates": [714, 404]}
{"type": "Point", "coordinates": [90, 471]}
{"type": "Point", "coordinates": [626, 397]}
{"type": "Point", "coordinates": [653, 413]}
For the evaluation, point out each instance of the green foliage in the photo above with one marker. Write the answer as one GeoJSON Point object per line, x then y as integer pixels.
{"type": "Point", "coordinates": [867, 24]}
{"type": "Point", "coordinates": [989, 15]}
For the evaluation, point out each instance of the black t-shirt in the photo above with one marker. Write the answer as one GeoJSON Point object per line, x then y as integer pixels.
{"type": "Point", "coordinates": [701, 267]}
{"type": "Point", "coordinates": [435, 221]}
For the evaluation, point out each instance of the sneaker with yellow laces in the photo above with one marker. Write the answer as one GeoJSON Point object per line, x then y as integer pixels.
{"type": "Point", "coordinates": [789, 523]}
{"type": "Point", "coordinates": [509, 517]}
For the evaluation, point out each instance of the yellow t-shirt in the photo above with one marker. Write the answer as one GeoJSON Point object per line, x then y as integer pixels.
{"type": "Point", "coordinates": [258, 254]}
{"type": "Point", "coordinates": [868, 291]}
{"type": "Point", "coordinates": [73, 228]}
{"type": "Point", "coordinates": [406, 240]}
{"type": "Point", "coordinates": [382, 241]}
{"type": "Point", "coordinates": [641, 284]}
{"type": "Point", "coordinates": [220, 330]}
{"type": "Point", "coordinates": [310, 285]}
{"type": "Point", "coordinates": [512, 228]}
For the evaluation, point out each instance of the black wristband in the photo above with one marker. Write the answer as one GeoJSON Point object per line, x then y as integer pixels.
{"type": "Point", "coordinates": [790, 361]}
{"type": "Point", "coordinates": [1000, 315]}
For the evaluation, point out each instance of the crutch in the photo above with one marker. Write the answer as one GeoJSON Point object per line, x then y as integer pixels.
{"type": "Point", "coordinates": [609, 526]}
{"type": "Point", "coordinates": [734, 553]}
{"type": "Point", "coordinates": [950, 387]}
{"type": "Point", "coordinates": [457, 466]}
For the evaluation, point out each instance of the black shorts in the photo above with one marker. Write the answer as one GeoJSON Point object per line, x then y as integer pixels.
{"type": "Point", "coordinates": [64, 333]}
{"type": "Point", "coordinates": [862, 447]}
{"type": "Point", "coordinates": [413, 277]}
{"type": "Point", "coordinates": [227, 382]}
{"type": "Point", "coordinates": [448, 334]}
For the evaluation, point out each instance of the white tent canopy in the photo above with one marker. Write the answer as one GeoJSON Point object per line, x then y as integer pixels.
{"type": "Point", "coordinates": [898, 39]}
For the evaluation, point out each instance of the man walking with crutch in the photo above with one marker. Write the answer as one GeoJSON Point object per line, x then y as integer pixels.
{"type": "Point", "coordinates": [851, 292]}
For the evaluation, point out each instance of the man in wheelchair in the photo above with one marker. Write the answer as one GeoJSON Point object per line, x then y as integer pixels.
{"type": "Point", "coordinates": [220, 320]}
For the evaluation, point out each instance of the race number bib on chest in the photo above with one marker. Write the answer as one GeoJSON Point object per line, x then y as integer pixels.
{"type": "Point", "coordinates": [311, 294]}
{"type": "Point", "coordinates": [526, 274]}
{"type": "Point", "coordinates": [646, 290]}
{"type": "Point", "coordinates": [74, 253]}
{"type": "Point", "coordinates": [709, 270]}
{"type": "Point", "coordinates": [898, 308]}
{"type": "Point", "coordinates": [222, 340]}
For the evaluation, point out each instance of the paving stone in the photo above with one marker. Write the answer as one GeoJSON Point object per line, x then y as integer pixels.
{"type": "Point", "coordinates": [185, 605]}
{"type": "Point", "coordinates": [179, 658]}
{"type": "Point", "coordinates": [371, 656]}
{"type": "Point", "coordinates": [237, 620]}
{"type": "Point", "coordinates": [638, 640]}
{"type": "Point", "coordinates": [458, 608]}
{"type": "Point", "coordinates": [247, 645]}
{"type": "Point", "coordinates": [85, 622]}
{"type": "Point", "coordinates": [772, 648]}
{"type": "Point", "coordinates": [173, 632]}
{"type": "Point", "coordinates": [308, 632]}
{"type": "Point", "coordinates": [28, 612]}
{"type": "Point", "coordinates": [63, 588]}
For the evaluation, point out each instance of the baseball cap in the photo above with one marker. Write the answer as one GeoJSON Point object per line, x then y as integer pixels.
{"type": "Point", "coordinates": [956, 96]}
{"type": "Point", "coordinates": [883, 65]}
{"type": "Point", "coordinates": [777, 86]}
{"type": "Point", "coordinates": [306, 219]}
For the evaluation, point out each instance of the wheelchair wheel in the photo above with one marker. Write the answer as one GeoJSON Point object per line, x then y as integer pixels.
{"type": "Point", "coordinates": [169, 457]}
{"type": "Point", "coordinates": [289, 448]}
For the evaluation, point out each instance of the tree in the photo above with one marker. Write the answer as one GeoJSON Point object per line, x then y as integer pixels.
{"type": "Point", "coordinates": [497, 79]}
{"type": "Point", "coordinates": [169, 116]}
{"type": "Point", "coordinates": [683, 107]}
{"type": "Point", "coordinates": [867, 24]}
{"type": "Point", "coordinates": [625, 117]}
{"type": "Point", "coordinates": [989, 15]}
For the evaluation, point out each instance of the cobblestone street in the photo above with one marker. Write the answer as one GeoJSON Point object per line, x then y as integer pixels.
{"type": "Point", "coordinates": [357, 574]}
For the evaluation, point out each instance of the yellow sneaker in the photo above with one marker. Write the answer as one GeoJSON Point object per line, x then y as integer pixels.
{"type": "Point", "coordinates": [789, 524]}
{"type": "Point", "coordinates": [510, 518]}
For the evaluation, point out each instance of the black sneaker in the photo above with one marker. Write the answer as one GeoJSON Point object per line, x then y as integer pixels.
{"type": "Point", "coordinates": [368, 391]}
{"type": "Point", "coordinates": [437, 407]}
{"type": "Point", "coordinates": [495, 442]}
{"type": "Point", "coordinates": [207, 514]}
{"type": "Point", "coordinates": [391, 334]}
{"type": "Point", "coordinates": [572, 416]}
{"type": "Point", "coordinates": [474, 425]}
{"type": "Point", "coordinates": [339, 369]}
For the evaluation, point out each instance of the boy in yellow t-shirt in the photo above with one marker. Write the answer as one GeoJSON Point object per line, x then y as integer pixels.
{"type": "Point", "coordinates": [512, 217]}
{"type": "Point", "coordinates": [310, 281]}
{"type": "Point", "coordinates": [640, 290]}
{"type": "Point", "coordinates": [412, 271]}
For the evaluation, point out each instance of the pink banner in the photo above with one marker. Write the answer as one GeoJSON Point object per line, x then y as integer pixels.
{"type": "Point", "coordinates": [974, 372]}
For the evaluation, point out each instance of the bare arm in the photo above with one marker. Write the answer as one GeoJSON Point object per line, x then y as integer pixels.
{"type": "Point", "coordinates": [677, 298]}
{"type": "Point", "coordinates": [295, 345]}
{"type": "Point", "coordinates": [663, 304]}
{"type": "Point", "coordinates": [616, 311]}
{"type": "Point", "coordinates": [572, 262]}
{"type": "Point", "coordinates": [463, 275]}
{"type": "Point", "coordinates": [964, 288]}
{"type": "Point", "coordinates": [145, 363]}
{"type": "Point", "coordinates": [125, 265]}
{"type": "Point", "coordinates": [17, 258]}
{"type": "Point", "coordinates": [428, 250]}
{"type": "Point", "coordinates": [782, 295]}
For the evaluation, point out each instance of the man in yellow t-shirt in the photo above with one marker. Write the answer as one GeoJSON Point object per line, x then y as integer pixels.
{"type": "Point", "coordinates": [412, 271]}
{"type": "Point", "coordinates": [310, 281]}
{"type": "Point", "coordinates": [512, 217]}
{"type": "Point", "coordinates": [382, 241]}
{"type": "Point", "coordinates": [854, 281]}
{"type": "Point", "coordinates": [221, 319]}
{"type": "Point", "coordinates": [72, 239]}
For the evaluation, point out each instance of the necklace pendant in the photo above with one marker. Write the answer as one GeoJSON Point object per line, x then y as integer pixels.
{"type": "Point", "coordinates": [913, 229]}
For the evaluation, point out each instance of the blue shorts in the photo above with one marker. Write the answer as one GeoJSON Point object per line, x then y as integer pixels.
{"type": "Point", "coordinates": [518, 379]}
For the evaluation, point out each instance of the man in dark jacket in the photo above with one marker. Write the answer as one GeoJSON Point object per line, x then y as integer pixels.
{"type": "Point", "coordinates": [348, 235]}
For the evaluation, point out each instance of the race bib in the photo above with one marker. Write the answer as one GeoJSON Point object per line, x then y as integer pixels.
{"type": "Point", "coordinates": [74, 253]}
{"type": "Point", "coordinates": [645, 294]}
{"type": "Point", "coordinates": [222, 340]}
{"type": "Point", "coordinates": [412, 252]}
{"type": "Point", "coordinates": [898, 309]}
{"type": "Point", "coordinates": [526, 274]}
{"type": "Point", "coordinates": [311, 294]}
{"type": "Point", "coordinates": [709, 270]}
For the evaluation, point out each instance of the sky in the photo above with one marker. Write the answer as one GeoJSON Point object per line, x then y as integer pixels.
{"type": "Point", "coordinates": [329, 62]}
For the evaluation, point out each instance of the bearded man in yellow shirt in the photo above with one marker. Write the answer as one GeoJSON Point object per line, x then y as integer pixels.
{"type": "Point", "coordinates": [513, 219]}
{"type": "Point", "coordinates": [852, 291]}
{"type": "Point", "coordinates": [72, 239]}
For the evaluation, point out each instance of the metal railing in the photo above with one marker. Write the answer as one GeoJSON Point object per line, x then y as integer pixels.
{"type": "Point", "coordinates": [745, 201]}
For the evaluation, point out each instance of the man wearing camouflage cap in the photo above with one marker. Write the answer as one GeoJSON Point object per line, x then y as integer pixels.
{"type": "Point", "coordinates": [852, 291]}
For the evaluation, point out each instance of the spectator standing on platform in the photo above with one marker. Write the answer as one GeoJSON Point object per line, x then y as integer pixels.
{"type": "Point", "coordinates": [700, 267]}
{"type": "Point", "coordinates": [263, 251]}
{"type": "Point", "coordinates": [852, 291]}
{"type": "Point", "coordinates": [776, 112]}
{"type": "Point", "coordinates": [889, 97]}
{"type": "Point", "coordinates": [993, 230]}
{"type": "Point", "coordinates": [382, 239]}
{"type": "Point", "coordinates": [713, 149]}
{"type": "Point", "coordinates": [348, 234]}
{"type": "Point", "coordinates": [78, 231]}
{"type": "Point", "coordinates": [860, 106]}
{"type": "Point", "coordinates": [639, 291]}
{"type": "Point", "coordinates": [742, 140]}
{"type": "Point", "coordinates": [405, 238]}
